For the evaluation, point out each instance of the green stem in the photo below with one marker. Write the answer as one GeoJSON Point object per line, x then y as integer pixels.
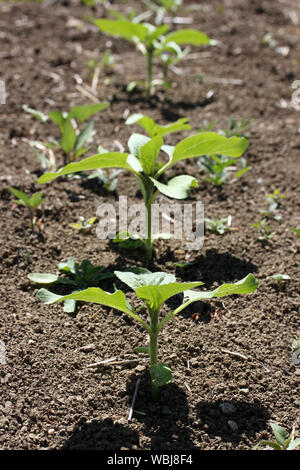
{"type": "Point", "coordinates": [148, 242]}
{"type": "Point", "coordinates": [149, 71]}
{"type": "Point", "coordinates": [153, 357]}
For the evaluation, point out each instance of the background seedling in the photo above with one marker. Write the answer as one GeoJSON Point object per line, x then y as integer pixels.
{"type": "Point", "coordinates": [31, 203]}
{"type": "Point", "coordinates": [283, 440]}
{"type": "Point", "coordinates": [142, 161]}
{"type": "Point", "coordinates": [154, 289]}
{"type": "Point", "coordinates": [152, 41]}
{"type": "Point", "coordinates": [238, 128]}
{"type": "Point", "coordinates": [95, 68]}
{"type": "Point", "coordinates": [73, 142]}
{"type": "Point", "coordinates": [220, 168]}
{"type": "Point", "coordinates": [264, 230]}
{"type": "Point", "coordinates": [161, 7]}
{"type": "Point", "coordinates": [80, 277]}
{"type": "Point", "coordinates": [218, 226]}
{"type": "Point", "coordinates": [280, 279]}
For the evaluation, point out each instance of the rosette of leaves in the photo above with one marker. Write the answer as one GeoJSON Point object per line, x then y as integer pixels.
{"type": "Point", "coordinates": [143, 161]}
{"type": "Point", "coordinates": [153, 41]}
{"type": "Point", "coordinates": [75, 139]}
{"type": "Point", "coordinates": [78, 277]}
{"type": "Point", "coordinates": [154, 289]}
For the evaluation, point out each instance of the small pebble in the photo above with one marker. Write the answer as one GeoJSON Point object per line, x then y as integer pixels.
{"type": "Point", "coordinates": [232, 425]}
{"type": "Point", "coordinates": [227, 408]}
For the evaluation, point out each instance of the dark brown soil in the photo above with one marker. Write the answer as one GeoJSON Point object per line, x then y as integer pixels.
{"type": "Point", "coordinates": [50, 399]}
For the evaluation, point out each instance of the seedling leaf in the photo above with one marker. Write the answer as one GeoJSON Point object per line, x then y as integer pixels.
{"type": "Point", "coordinates": [178, 187]}
{"type": "Point", "coordinates": [161, 374]}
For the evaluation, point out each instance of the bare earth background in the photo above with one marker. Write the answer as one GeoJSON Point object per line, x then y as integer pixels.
{"type": "Point", "coordinates": [49, 398]}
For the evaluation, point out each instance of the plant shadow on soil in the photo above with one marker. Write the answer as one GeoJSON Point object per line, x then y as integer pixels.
{"type": "Point", "coordinates": [166, 423]}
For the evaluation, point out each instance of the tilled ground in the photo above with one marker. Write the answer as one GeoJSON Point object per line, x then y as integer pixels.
{"type": "Point", "coordinates": [232, 367]}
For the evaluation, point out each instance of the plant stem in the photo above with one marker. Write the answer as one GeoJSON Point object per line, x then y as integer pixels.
{"type": "Point", "coordinates": [148, 242]}
{"type": "Point", "coordinates": [149, 71]}
{"type": "Point", "coordinates": [153, 358]}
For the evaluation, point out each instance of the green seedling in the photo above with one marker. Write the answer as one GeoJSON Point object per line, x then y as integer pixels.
{"type": "Point", "coordinates": [79, 277]}
{"type": "Point", "coordinates": [84, 224]}
{"type": "Point", "coordinates": [152, 41]}
{"type": "Point", "coordinates": [142, 161]}
{"type": "Point", "coordinates": [74, 142]}
{"type": "Point", "coordinates": [154, 289]}
{"type": "Point", "coordinates": [31, 203]}
{"type": "Point", "coordinates": [264, 230]}
{"type": "Point", "coordinates": [217, 226]}
{"type": "Point", "coordinates": [220, 167]}
{"type": "Point", "coordinates": [275, 198]}
{"type": "Point", "coordinates": [280, 279]}
{"type": "Point", "coordinates": [154, 129]}
{"type": "Point", "coordinates": [95, 68]}
{"type": "Point", "coordinates": [283, 440]}
{"type": "Point", "coordinates": [237, 128]}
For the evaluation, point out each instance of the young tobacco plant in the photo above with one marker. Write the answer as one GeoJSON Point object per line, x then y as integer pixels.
{"type": "Point", "coordinates": [154, 289]}
{"type": "Point", "coordinates": [142, 161]}
{"type": "Point", "coordinates": [32, 203]}
{"type": "Point", "coordinates": [153, 41]}
{"type": "Point", "coordinates": [73, 142]}
{"type": "Point", "coordinates": [80, 277]}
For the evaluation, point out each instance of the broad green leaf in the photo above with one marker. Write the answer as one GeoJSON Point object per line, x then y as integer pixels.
{"type": "Point", "coordinates": [38, 114]}
{"type": "Point", "coordinates": [58, 118]}
{"type": "Point", "coordinates": [123, 29]}
{"type": "Point", "coordinates": [96, 295]}
{"type": "Point", "coordinates": [157, 33]}
{"type": "Point", "coordinates": [82, 113]}
{"type": "Point", "coordinates": [106, 160]}
{"type": "Point", "coordinates": [145, 122]}
{"type": "Point", "coordinates": [43, 278]}
{"type": "Point", "coordinates": [178, 187]}
{"type": "Point", "coordinates": [154, 129]}
{"type": "Point", "coordinates": [68, 138]}
{"type": "Point", "coordinates": [280, 433]}
{"type": "Point", "coordinates": [135, 278]}
{"type": "Point", "coordinates": [160, 374]}
{"type": "Point", "coordinates": [209, 143]}
{"type": "Point", "coordinates": [156, 295]}
{"type": "Point", "coordinates": [22, 196]}
{"type": "Point", "coordinates": [244, 286]}
{"type": "Point", "coordinates": [136, 142]}
{"type": "Point", "coordinates": [188, 36]}
{"type": "Point", "coordinates": [149, 154]}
